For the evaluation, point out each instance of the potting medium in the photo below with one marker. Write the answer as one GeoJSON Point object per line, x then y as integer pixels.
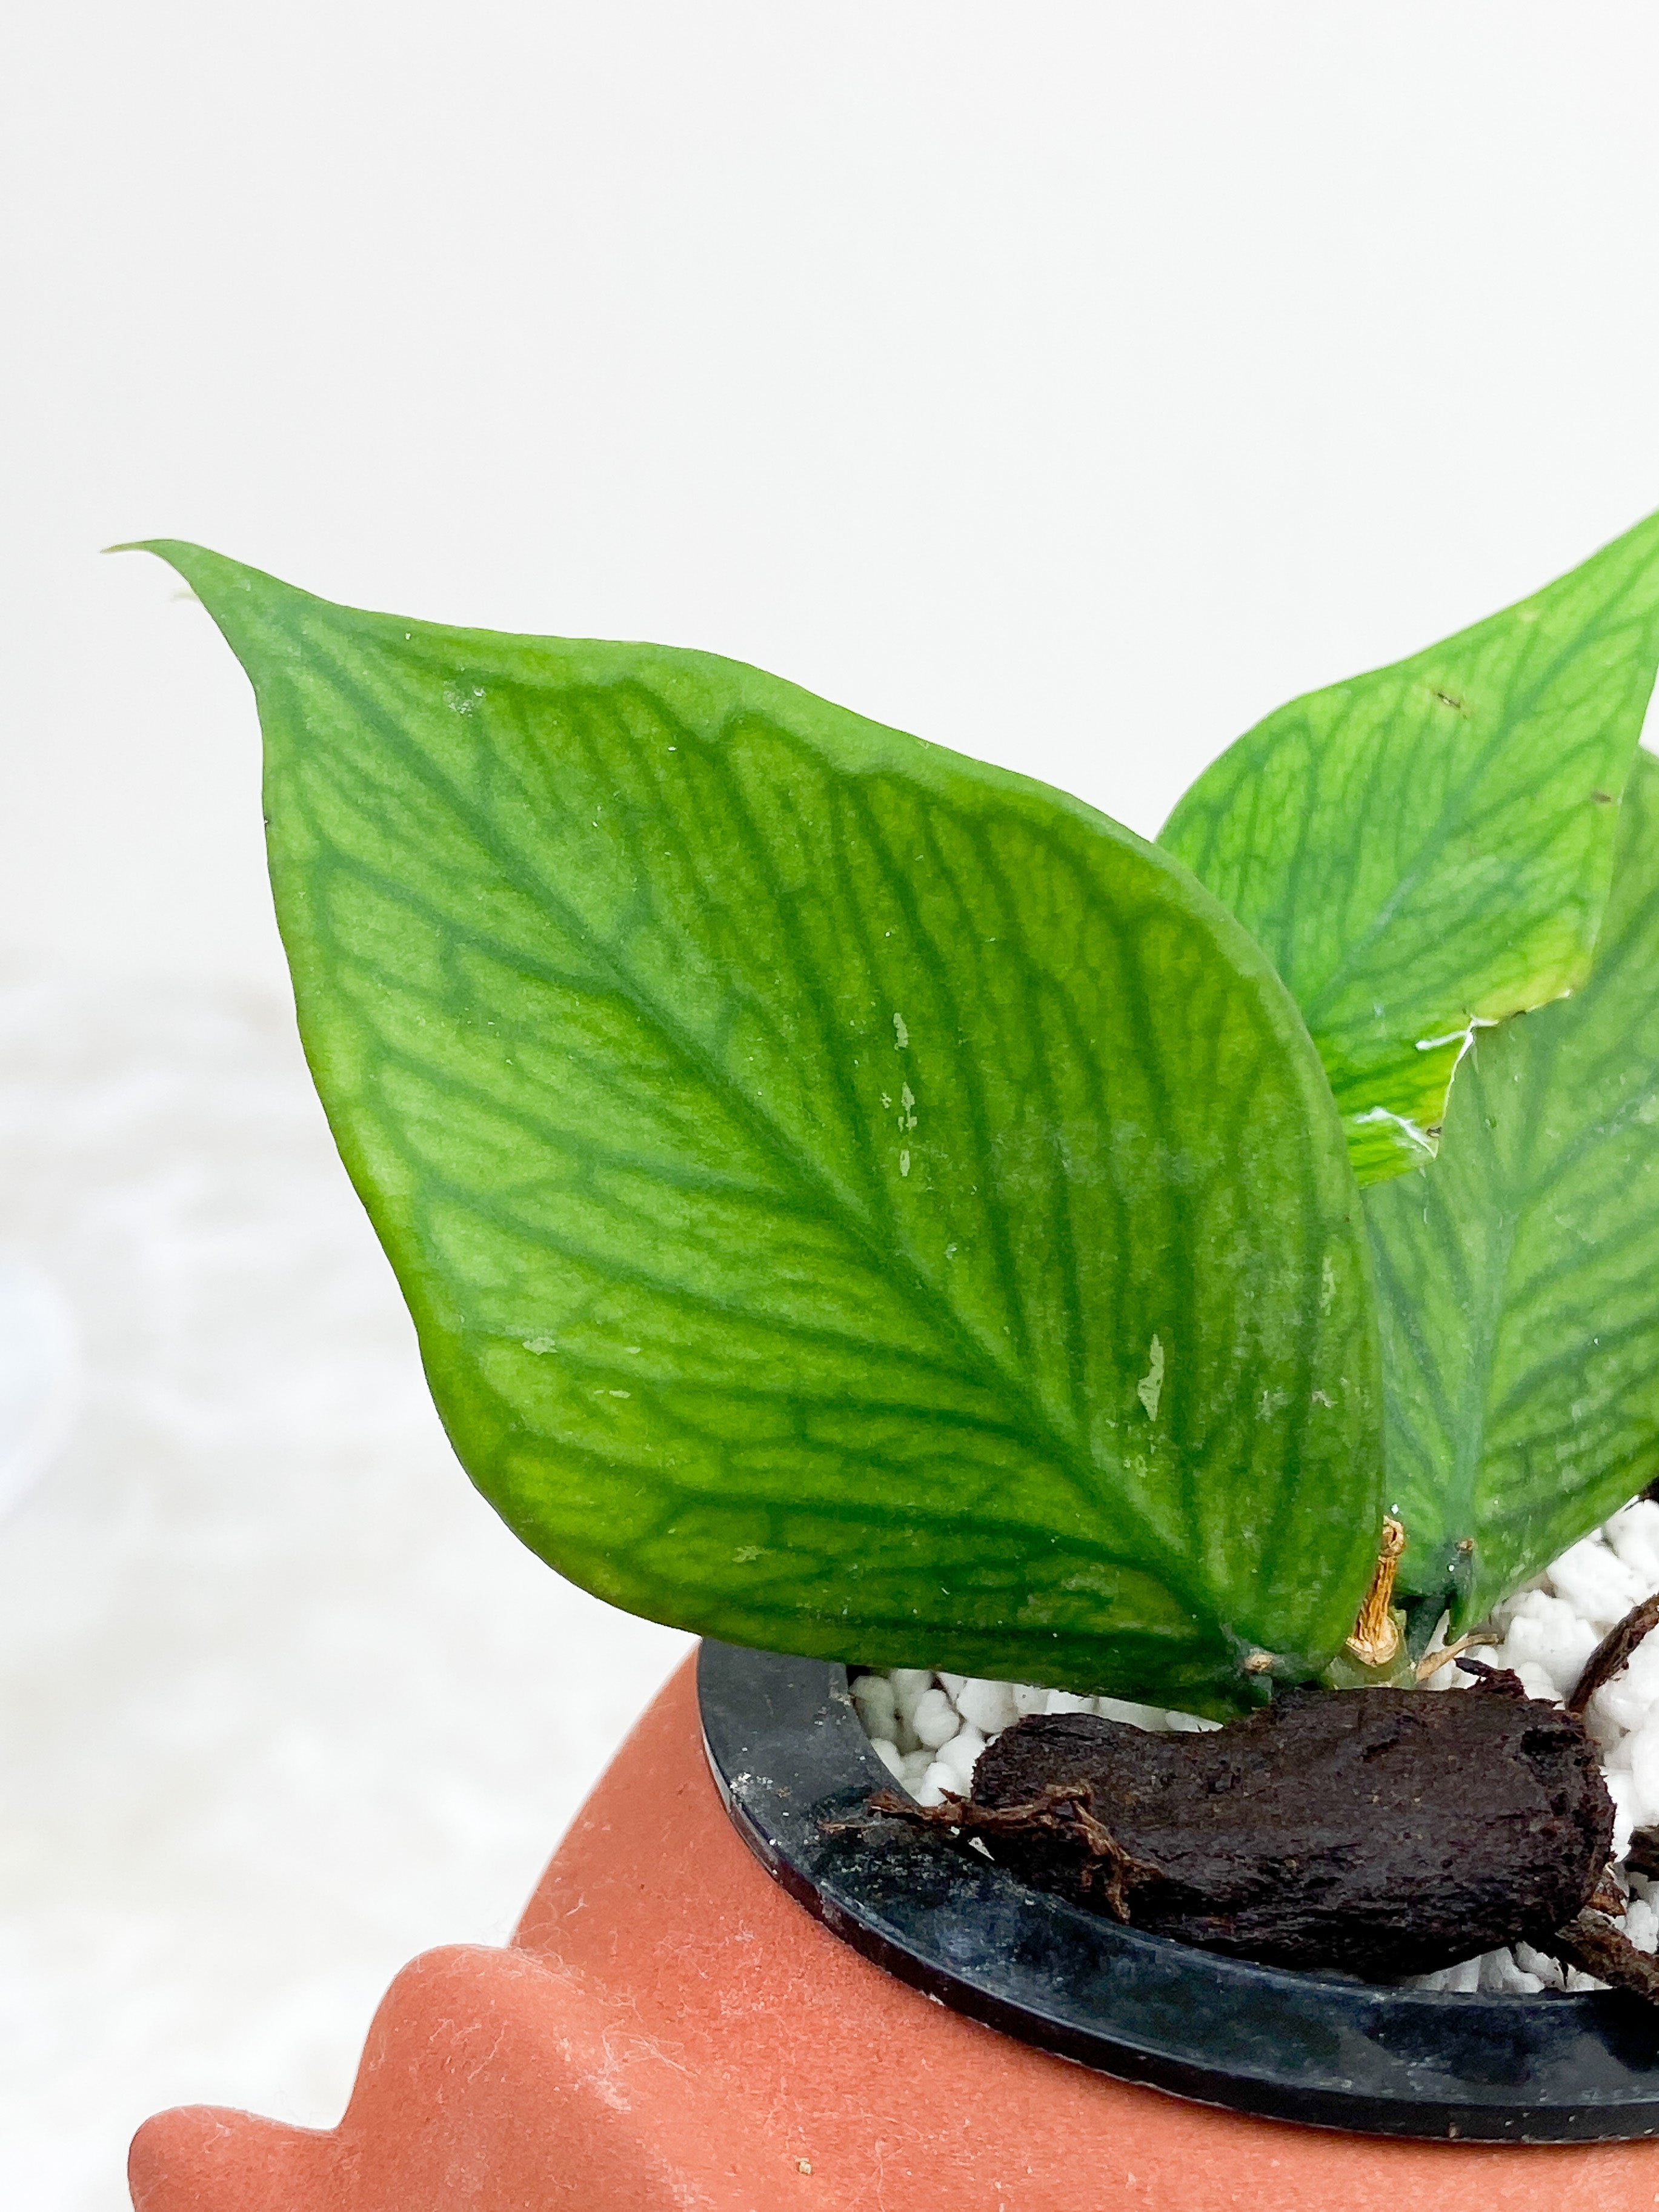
{"type": "Point", "coordinates": [929, 1728]}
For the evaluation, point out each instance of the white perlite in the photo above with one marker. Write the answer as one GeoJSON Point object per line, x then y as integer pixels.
{"type": "Point", "coordinates": [929, 1728]}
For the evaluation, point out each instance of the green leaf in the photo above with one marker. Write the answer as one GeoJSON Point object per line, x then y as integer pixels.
{"type": "Point", "coordinates": [1518, 1280]}
{"type": "Point", "coordinates": [1428, 848]}
{"type": "Point", "coordinates": [852, 1199]}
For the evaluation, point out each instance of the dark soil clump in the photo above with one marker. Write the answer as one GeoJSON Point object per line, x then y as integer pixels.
{"type": "Point", "coordinates": [1383, 1831]}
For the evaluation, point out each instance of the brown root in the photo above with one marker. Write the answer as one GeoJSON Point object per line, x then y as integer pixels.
{"type": "Point", "coordinates": [1591, 1942]}
{"type": "Point", "coordinates": [1064, 1810]}
{"type": "Point", "coordinates": [1607, 1896]}
{"type": "Point", "coordinates": [1614, 1652]}
{"type": "Point", "coordinates": [1431, 1662]}
{"type": "Point", "coordinates": [1501, 1682]}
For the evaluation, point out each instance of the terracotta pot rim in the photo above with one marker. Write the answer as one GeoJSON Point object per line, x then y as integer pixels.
{"type": "Point", "coordinates": [787, 1753]}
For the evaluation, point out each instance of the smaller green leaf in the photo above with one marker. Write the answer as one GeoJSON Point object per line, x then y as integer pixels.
{"type": "Point", "coordinates": [1518, 1280]}
{"type": "Point", "coordinates": [1428, 848]}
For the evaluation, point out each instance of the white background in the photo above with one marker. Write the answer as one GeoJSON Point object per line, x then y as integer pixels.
{"type": "Point", "coordinates": [1069, 384]}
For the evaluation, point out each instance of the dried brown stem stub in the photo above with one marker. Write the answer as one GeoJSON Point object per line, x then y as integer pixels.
{"type": "Point", "coordinates": [1387, 1831]}
{"type": "Point", "coordinates": [1376, 1637]}
{"type": "Point", "coordinates": [1591, 1942]}
{"type": "Point", "coordinates": [1614, 1652]}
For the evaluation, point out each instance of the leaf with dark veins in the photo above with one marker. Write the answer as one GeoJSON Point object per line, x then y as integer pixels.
{"type": "Point", "coordinates": [1429, 847]}
{"type": "Point", "coordinates": [1518, 1279]}
{"type": "Point", "coordinates": [852, 1199]}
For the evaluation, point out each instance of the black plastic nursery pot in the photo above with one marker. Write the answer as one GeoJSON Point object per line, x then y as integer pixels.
{"type": "Point", "coordinates": [791, 1759]}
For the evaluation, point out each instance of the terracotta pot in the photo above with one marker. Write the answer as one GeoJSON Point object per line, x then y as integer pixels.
{"type": "Point", "coordinates": [669, 2033]}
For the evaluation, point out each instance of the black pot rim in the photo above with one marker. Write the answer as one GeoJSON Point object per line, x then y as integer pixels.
{"type": "Point", "coordinates": [788, 1754]}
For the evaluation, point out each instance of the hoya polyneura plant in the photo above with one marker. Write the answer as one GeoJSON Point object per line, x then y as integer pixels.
{"type": "Point", "coordinates": [862, 1203]}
